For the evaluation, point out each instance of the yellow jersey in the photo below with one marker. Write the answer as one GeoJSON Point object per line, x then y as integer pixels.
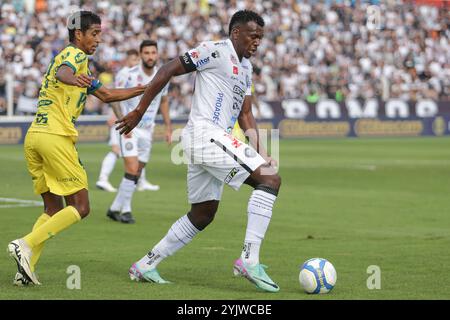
{"type": "Point", "coordinates": [60, 104]}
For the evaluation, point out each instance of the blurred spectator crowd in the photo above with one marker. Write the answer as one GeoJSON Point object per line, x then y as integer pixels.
{"type": "Point", "coordinates": [311, 50]}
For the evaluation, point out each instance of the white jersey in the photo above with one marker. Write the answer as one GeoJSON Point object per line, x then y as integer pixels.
{"type": "Point", "coordinates": [132, 77]}
{"type": "Point", "coordinates": [221, 83]}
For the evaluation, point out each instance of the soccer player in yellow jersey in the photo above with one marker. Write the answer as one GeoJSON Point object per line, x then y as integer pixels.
{"type": "Point", "coordinates": [50, 152]}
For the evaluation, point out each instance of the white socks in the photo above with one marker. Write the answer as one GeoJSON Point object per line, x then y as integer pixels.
{"type": "Point", "coordinates": [122, 201]}
{"type": "Point", "coordinates": [180, 234]}
{"type": "Point", "coordinates": [259, 210]}
{"type": "Point", "coordinates": [183, 231]}
{"type": "Point", "coordinates": [107, 166]}
{"type": "Point", "coordinates": [142, 177]}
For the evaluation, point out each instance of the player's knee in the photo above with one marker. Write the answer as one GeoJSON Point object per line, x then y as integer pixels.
{"type": "Point", "coordinates": [272, 183]}
{"type": "Point", "coordinates": [132, 176]}
{"type": "Point", "coordinates": [203, 219]}
{"type": "Point", "coordinates": [83, 210]}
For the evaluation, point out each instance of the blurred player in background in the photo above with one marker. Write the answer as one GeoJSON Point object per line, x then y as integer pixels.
{"type": "Point", "coordinates": [108, 163]}
{"type": "Point", "coordinates": [222, 96]}
{"type": "Point", "coordinates": [135, 147]}
{"type": "Point", "coordinates": [51, 155]}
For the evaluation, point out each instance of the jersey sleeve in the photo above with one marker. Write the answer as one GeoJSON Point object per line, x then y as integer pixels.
{"type": "Point", "coordinates": [249, 83]}
{"type": "Point", "coordinates": [120, 79]}
{"type": "Point", "coordinates": [198, 58]}
{"type": "Point", "coordinates": [74, 59]}
{"type": "Point", "coordinates": [249, 91]}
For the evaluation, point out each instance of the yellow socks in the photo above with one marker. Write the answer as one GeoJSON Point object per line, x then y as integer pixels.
{"type": "Point", "coordinates": [57, 223]}
{"type": "Point", "coordinates": [38, 249]}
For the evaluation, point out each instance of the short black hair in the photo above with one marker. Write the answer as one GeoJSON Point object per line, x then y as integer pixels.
{"type": "Point", "coordinates": [132, 52]}
{"type": "Point", "coordinates": [81, 20]}
{"type": "Point", "coordinates": [148, 43]}
{"type": "Point", "coordinates": [244, 16]}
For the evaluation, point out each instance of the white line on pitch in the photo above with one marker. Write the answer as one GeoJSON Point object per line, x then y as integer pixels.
{"type": "Point", "coordinates": [13, 202]}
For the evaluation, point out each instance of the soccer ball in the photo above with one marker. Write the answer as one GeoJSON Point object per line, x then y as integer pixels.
{"type": "Point", "coordinates": [317, 275]}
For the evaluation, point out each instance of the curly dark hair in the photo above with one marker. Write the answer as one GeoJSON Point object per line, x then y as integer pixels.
{"type": "Point", "coordinates": [244, 16]}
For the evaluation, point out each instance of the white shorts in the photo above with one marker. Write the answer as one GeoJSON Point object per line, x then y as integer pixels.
{"type": "Point", "coordinates": [139, 145]}
{"type": "Point", "coordinates": [113, 136]}
{"type": "Point", "coordinates": [216, 158]}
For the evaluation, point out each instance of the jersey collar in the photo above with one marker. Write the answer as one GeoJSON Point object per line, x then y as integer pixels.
{"type": "Point", "coordinates": [141, 70]}
{"type": "Point", "coordinates": [233, 51]}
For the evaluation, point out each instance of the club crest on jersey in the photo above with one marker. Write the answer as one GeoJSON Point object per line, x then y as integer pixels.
{"type": "Point", "coordinates": [80, 57]}
{"type": "Point", "coordinates": [139, 78]}
{"type": "Point", "coordinates": [128, 146]}
{"type": "Point", "coordinates": [194, 54]}
{"type": "Point", "coordinates": [235, 70]}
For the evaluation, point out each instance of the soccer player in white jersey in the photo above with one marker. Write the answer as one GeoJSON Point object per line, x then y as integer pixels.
{"type": "Point", "coordinates": [108, 163]}
{"type": "Point", "coordinates": [222, 95]}
{"type": "Point", "coordinates": [135, 147]}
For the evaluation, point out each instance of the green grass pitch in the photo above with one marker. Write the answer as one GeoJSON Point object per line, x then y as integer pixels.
{"type": "Point", "coordinates": [355, 202]}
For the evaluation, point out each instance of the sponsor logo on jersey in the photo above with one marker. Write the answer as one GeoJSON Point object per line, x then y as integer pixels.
{"type": "Point", "coordinates": [231, 175]}
{"type": "Point", "coordinates": [237, 90]}
{"type": "Point", "coordinates": [220, 43]}
{"type": "Point", "coordinates": [217, 107]}
{"type": "Point", "coordinates": [202, 62]}
{"type": "Point", "coordinates": [235, 70]}
{"type": "Point", "coordinates": [215, 54]}
{"type": "Point", "coordinates": [194, 54]}
{"type": "Point", "coordinates": [43, 103]}
{"type": "Point", "coordinates": [234, 141]}
{"type": "Point", "coordinates": [69, 179]}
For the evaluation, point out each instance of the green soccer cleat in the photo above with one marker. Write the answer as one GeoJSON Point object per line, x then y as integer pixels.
{"type": "Point", "coordinates": [149, 276]}
{"type": "Point", "coordinates": [256, 275]}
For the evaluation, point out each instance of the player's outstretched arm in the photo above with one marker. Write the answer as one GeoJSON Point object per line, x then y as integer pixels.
{"type": "Point", "coordinates": [111, 95]}
{"type": "Point", "coordinates": [66, 75]}
{"type": "Point", "coordinates": [162, 77]}
{"type": "Point", "coordinates": [247, 123]}
{"type": "Point", "coordinates": [164, 107]}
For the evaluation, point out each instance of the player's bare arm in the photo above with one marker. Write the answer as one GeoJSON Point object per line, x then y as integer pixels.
{"type": "Point", "coordinates": [162, 77]}
{"type": "Point", "coordinates": [115, 106]}
{"type": "Point", "coordinates": [111, 95]}
{"type": "Point", "coordinates": [164, 107]}
{"type": "Point", "coordinates": [247, 123]}
{"type": "Point", "coordinates": [66, 75]}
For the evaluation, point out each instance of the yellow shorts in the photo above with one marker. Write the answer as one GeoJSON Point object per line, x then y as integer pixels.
{"type": "Point", "coordinates": [53, 163]}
